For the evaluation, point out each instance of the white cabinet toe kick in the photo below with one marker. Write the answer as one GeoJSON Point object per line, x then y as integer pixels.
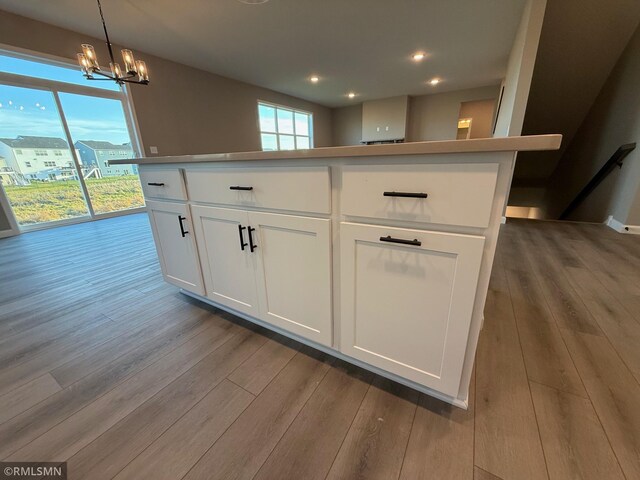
{"type": "Point", "coordinates": [383, 260]}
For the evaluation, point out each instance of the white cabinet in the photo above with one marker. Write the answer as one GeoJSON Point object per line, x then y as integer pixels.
{"type": "Point", "coordinates": [172, 231]}
{"type": "Point", "coordinates": [228, 262]}
{"type": "Point", "coordinates": [302, 189]}
{"type": "Point", "coordinates": [407, 300]}
{"type": "Point", "coordinates": [162, 183]}
{"type": "Point", "coordinates": [273, 267]}
{"type": "Point", "coordinates": [294, 273]}
{"type": "Point", "coordinates": [443, 193]}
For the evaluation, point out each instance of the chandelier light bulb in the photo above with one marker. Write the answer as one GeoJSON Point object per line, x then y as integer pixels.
{"type": "Point", "coordinates": [129, 62]}
{"type": "Point", "coordinates": [90, 55]}
{"type": "Point", "coordinates": [84, 64]}
{"type": "Point", "coordinates": [116, 70]}
{"type": "Point", "coordinates": [143, 73]}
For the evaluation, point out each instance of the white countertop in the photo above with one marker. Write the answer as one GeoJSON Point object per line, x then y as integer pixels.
{"type": "Point", "coordinates": [505, 144]}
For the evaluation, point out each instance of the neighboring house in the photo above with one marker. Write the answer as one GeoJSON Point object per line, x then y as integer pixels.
{"type": "Point", "coordinates": [99, 154]}
{"type": "Point", "coordinates": [30, 158]}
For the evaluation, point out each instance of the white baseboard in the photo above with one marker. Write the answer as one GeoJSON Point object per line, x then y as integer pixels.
{"type": "Point", "coordinates": [8, 233]}
{"type": "Point", "coordinates": [621, 227]}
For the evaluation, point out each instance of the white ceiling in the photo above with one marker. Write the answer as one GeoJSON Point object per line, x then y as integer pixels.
{"type": "Point", "coordinates": [353, 45]}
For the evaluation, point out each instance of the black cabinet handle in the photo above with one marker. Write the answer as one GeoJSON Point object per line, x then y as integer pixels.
{"type": "Point", "coordinates": [252, 246]}
{"type": "Point", "coordinates": [182, 230]}
{"type": "Point", "coordinates": [238, 187]}
{"type": "Point", "coordinates": [405, 194]}
{"type": "Point", "coordinates": [154, 184]}
{"type": "Point", "coordinates": [415, 242]}
{"type": "Point", "coordinates": [242, 243]}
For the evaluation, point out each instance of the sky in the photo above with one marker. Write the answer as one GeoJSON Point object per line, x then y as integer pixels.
{"type": "Point", "coordinates": [25, 111]}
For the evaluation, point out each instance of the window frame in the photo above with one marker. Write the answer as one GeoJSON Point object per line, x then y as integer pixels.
{"type": "Point", "coordinates": [123, 95]}
{"type": "Point", "coordinates": [294, 110]}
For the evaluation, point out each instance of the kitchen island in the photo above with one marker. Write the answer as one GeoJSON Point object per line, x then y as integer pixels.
{"type": "Point", "coordinates": [380, 255]}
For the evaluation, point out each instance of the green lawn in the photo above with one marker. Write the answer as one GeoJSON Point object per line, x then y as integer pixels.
{"type": "Point", "coordinates": [50, 201]}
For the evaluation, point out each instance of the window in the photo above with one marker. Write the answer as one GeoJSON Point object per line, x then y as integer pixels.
{"type": "Point", "coordinates": [18, 152]}
{"type": "Point", "coordinates": [283, 128]}
{"type": "Point", "coordinates": [48, 109]}
{"type": "Point", "coordinates": [57, 71]}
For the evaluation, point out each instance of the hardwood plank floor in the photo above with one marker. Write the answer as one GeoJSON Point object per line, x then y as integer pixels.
{"type": "Point", "coordinates": [106, 367]}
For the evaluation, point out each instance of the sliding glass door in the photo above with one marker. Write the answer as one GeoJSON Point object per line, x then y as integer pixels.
{"type": "Point", "coordinates": [58, 138]}
{"type": "Point", "coordinates": [37, 166]}
{"type": "Point", "coordinates": [99, 132]}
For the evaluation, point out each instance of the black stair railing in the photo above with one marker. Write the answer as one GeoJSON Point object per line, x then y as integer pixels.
{"type": "Point", "coordinates": [615, 161]}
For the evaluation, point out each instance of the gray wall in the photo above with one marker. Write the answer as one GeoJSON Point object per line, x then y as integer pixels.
{"type": "Point", "coordinates": [482, 112]}
{"type": "Point", "coordinates": [431, 117]}
{"type": "Point", "coordinates": [183, 110]}
{"type": "Point", "coordinates": [614, 119]}
{"type": "Point", "coordinates": [435, 117]}
{"type": "Point", "coordinates": [347, 125]}
{"type": "Point", "coordinates": [520, 70]}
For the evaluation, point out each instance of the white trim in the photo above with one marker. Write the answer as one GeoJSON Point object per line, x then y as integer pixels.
{"type": "Point", "coordinates": [464, 404]}
{"type": "Point", "coordinates": [74, 153]}
{"type": "Point", "coordinates": [621, 227]}
{"type": "Point", "coordinates": [5, 207]}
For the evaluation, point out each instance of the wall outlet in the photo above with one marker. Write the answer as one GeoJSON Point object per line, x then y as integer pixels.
{"type": "Point", "coordinates": [153, 149]}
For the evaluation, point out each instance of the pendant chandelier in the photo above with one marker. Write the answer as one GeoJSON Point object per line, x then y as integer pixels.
{"type": "Point", "coordinates": [135, 71]}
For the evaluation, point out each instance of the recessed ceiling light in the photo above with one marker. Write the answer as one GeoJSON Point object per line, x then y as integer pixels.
{"type": "Point", "coordinates": [253, 2]}
{"type": "Point", "coordinates": [351, 95]}
{"type": "Point", "coordinates": [418, 56]}
{"type": "Point", "coordinates": [434, 81]}
{"type": "Point", "coordinates": [314, 79]}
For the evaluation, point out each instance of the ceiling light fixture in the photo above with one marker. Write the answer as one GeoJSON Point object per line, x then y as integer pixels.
{"type": "Point", "coordinates": [434, 81]}
{"type": "Point", "coordinates": [351, 95]}
{"type": "Point", "coordinates": [418, 56]}
{"type": "Point", "coordinates": [132, 68]}
{"type": "Point", "coordinates": [253, 2]}
{"type": "Point", "coordinates": [314, 79]}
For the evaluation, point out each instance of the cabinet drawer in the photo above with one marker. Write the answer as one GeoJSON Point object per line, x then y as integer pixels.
{"type": "Point", "coordinates": [303, 189]}
{"type": "Point", "coordinates": [164, 183]}
{"type": "Point", "coordinates": [407, 300]}
{"type": "Point", "coordinates": [449, 194]}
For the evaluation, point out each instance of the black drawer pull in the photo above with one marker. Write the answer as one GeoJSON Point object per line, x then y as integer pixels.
{"type": "Point", "coordinates": [238, 187]}
{"type": "Point", "coordinates": [415, 242]}
{"type": "Point", "coordinates": [405, 194]}
{"type": "Point", "coordinates": [183, 232]}
{"type": "Point", "coordinates": [252, 246]}
{"type": "Point", "coordinates": [242, 243]}
{"type": "Point", "coordinates": [154, 184]}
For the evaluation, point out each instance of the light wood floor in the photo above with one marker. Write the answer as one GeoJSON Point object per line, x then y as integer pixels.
{"type": "Point", "coordinates": [106, 367]}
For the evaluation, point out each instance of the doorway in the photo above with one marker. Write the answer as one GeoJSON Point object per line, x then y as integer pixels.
{"type": "Point", "coordinates": [57, 140]}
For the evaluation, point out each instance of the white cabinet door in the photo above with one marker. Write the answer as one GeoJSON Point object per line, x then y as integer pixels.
{"type": "Point", "coordinates": [294, 273]}
{"type": "Point", "coordinates": [228, 264]}
{"type": "Point", "coordinates": [172, 230]}
{"type": "Point", "coordinates": [406, 307]}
